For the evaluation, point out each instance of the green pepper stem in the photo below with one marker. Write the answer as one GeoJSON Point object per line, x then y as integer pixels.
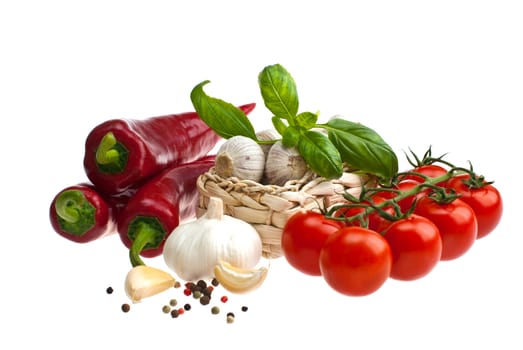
{"type": "Point", "coordinates": [145, 234]}
{"type": "Point", "coordinates": [106, 154]}
{"type": "Point", "coordinates": [68, 205]}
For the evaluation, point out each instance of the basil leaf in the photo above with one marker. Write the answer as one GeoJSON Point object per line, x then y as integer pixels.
{"type": "Point", "coordinates": [306, 120]}
{"type": "Point", "coordinates": [224, 118]}
{"type": "Point", "coordinates": [362, 148]}
{"type": "Point", "coordinates": [279, 93]}
{"type": "Point", "coordinates": [279, 125]}
{"type": "Point", "coordinates": [320, 154]}
{"type": "Point", "coordinates": [290, 137]}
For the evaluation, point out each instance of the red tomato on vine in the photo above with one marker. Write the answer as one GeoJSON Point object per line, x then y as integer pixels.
{"type": "Point", "coordinates": [416, 247]}
{"type": "Point", "coordinates": [303, 237]}
{"type": "Point", "coordinates": [484, 199]}
{"type": "Point", "coordinates": [428, 170]}
{"type": "Point", "coordinates": [355, 261]}
{"type": "Point", "coordinates": [374, 220]}
{"type": "Point", "coordinates": [456, 222]}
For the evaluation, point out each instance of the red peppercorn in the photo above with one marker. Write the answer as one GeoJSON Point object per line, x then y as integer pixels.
{"type": "Point", "coordinates": [181, 311]}
{"type": "Point", "coordinates": [224, 299]}
{"type": "Point", "coordinates": [187, 291]}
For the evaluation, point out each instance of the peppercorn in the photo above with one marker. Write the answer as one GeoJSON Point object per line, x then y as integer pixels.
{"type": "Point", "coordinates": [109, 290]}
{"type": "Point", "coordinates": [208, 290]}
{"type": "Point", "coordinates": [230, 314]}
{"type": "Point", "coordinates": [197, 294]}
{"type": "Point", "coordinates": [126, 307]}
{"type": "Point", "coordinates": [187, 291]}
{"type": "Point", "coordinates": [205, 300]}
{"type": "Point", "coordinates": [215, 282]}
{"type": "Point", "coordinates": [177, 284]}
{"type": "Point", "coordinates": [230, 319]}
{"type": "Point", "coordinates": [224, 299]}
{"type": "Point", "coordinates": [202, 284]}
{"type": "Point", "coordinates": [181, 311]}
{"type": "Point", "coordinates": [215, 310]}
{"type": "Point", "coordinates": [174, 313]}
{"type": "Point", "coordinates": [187, 307]}
{"type": "Point", "coordinates": [166, 309]}
{"type": "Point", "coordinates": [173, 302]}
{"type": "Point", "coordinates": [245, 308]}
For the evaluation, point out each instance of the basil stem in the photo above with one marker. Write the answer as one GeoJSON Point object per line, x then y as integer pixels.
{"type": "Point", "coordinates": [224, 118]}
{"type": "Point", "coordinates": [362, 147]}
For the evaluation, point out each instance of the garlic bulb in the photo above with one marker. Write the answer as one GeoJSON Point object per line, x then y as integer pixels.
{"type": "Point", "coordinates": [241, 157]}
{"type": "Point", "coordinates": [284, 164]}
{"type": "Point", "coordinates": [267, 135]}
{"type": "Point", "coordinates": [194, 248]}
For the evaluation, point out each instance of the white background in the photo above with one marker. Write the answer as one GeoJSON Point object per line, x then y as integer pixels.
{"type": "Point", "coordinates": [442, 73]}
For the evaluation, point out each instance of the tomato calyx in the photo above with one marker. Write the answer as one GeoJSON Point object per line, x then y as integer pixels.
{"type": "Point", "coordinates": [427, 159]}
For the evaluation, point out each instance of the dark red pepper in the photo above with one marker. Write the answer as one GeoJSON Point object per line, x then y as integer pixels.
{"type": "Point", "coordinates": [124, 153]}
{"type": "Point", "coordinates": [81, 214]}
{"type": "Point", "coordinates": [159, 206]}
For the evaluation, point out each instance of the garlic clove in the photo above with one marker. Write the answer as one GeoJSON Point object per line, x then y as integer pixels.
{"type": "Point", "coordinates": [239, 280]}
{"type": "Point", "coordinates": [144, 281]}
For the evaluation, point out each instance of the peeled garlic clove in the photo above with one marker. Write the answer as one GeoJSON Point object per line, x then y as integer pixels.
{"type": "Point", "coordinates": [284, 164]}
{"type": "Point", "coordinates": [145, 281]}
{"type": "Point", "coordinates": [239, 280]}
{"type": "Point", "coordinates": [241, 157]}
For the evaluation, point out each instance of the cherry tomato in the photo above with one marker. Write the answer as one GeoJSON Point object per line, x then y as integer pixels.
{"type": "Point", "coordinates": [375, 221]}
{"type": "Point", "coordinates": [486, 202]}
{"type": "Point", "coordinates": [416, 247]}
{"type": "Point", "coordinates": [403, 186]}
{"type": "Point", "coordinates": [303, 236]}
{"type": "Point", "coordinates": [456, 222]}
{"type": "Point", "coordinates": [429, 170]}
{"type": "Point", "coordinates": [355, 261]}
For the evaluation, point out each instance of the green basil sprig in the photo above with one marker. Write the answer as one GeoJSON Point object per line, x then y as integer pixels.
{"type": "Point", "coordinates": [347, 142]}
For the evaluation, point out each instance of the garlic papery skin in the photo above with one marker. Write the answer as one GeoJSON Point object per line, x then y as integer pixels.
{"type": "Point", "coordinates": [241, 157]}
{"type": "Point", "coordinates": [194, 248]}
{"type": "Point", "coordinates": [284, 164]}
{"type": "Point", "coordinates": [267, 135]}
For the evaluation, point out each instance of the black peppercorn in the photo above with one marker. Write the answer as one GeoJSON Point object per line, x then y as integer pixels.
{"type": "Point", "coordinates": [126, 307]}
{"type": "Point", "coordinates": [205, 300]}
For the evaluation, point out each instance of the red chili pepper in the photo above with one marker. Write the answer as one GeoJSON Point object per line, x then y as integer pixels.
{"type": "Point", "coordinates": [122, 153]}
{"type": "Point", "coordinates": [81, 214]}
{"type": "Point", "coordinates": [158, 207]}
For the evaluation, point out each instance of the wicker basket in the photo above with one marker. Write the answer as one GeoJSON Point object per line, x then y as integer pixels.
{"type": "Point", "coordinates": [267, 207]}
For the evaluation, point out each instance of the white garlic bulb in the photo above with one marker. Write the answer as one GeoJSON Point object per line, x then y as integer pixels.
{"type": "Point", "coordinates": [241, 157]}
{"type": "Point", "coordinates": [194, 248]}
{"type": "Point", "coordinates": [284, 164]}
{"type": "Point", "coordinates": [267, 135]}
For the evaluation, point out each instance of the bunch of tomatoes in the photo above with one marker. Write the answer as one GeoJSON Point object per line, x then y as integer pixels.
{"type": "Point", "coordinates": [434, 212]}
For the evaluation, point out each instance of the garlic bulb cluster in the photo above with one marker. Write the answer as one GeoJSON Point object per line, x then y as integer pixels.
{"type": "Point", "coordinates": [283, 164]}
{"type": "Point", "coordinates": [241, 157]}
{"type": "Point", "coordinates": [194, 248]}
